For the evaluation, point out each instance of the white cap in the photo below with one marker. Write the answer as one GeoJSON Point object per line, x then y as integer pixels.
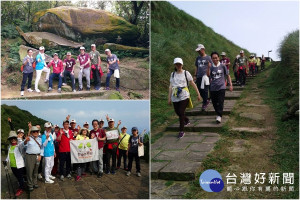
{"type": "Point", "coordinates": [56, 126]}
{"type": "Point", "coordinates": [20, 130]}
{"type": "Point", "coordinates": [42, 48]}
{"type": "Point", "coordinates": [111, 120]}
{"type": "Point", "coordinates": [93, 45]}
{"type": "Point", "coordinates": [200, 46]}
{"type": "Point", "coordinates": [73, 121]}
{"type": "Point", "coordinates": [86, 123]}
{"type": "Point", "coordinates": [107, 50]}
{"type": "Point", "coordinates": [101, 120]}
{"type": "Point", "coordinates": [178, 60]}
{"type": "Point", "coordinates": [82, 48]}
{"type": "Point", "coordinates": [223, 54]}
{"type": "Point", "coordinates": [69, 53]}
{"type": "Point", "coordinates": [47, 125]}
{"type": "Point", "coordinates": [241, 51]}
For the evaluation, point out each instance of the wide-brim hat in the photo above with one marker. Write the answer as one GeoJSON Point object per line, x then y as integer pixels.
{"type": "Point", "coordinates": [34, 128]}
{"type": "Point", "coordinates": [82, 129]}
{"type": "Point", "coordinates": [12, 134]}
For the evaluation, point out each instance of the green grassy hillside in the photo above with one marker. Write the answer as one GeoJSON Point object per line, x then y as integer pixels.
{"type": "Point", "coordinates": [174, 33]}
{"type": "Point", "coordinates": [20, 119]}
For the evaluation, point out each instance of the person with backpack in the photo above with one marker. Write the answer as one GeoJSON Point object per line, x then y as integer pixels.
{"type": "Point", "coordinates": [123, 147]}
{"type": "Point", "coordinates": [49, 152]}
{"type": "Point", "coordinates": [218, 73]}
{"type": "Point", "coordinates": [58, 68]}
{"type": "Point", "coordinates": [16, 161]}
{"type": "Point", "coordinates": [41, 66]}
{"type": "Point", "coordinates": [202, 62]}
{"type": "Point", "coordinates": [27, 72]}
{"type": "Point", "coordinates": [179, 93]}
{"type": "Point", "coordinates": [134, 141]}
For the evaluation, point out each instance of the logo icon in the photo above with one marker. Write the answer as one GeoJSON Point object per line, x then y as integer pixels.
{"type": "Point", "coordinates": [211, 181]}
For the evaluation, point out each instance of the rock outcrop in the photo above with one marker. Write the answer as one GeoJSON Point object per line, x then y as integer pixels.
{"type": "Point", "coordinates": [79, 23]}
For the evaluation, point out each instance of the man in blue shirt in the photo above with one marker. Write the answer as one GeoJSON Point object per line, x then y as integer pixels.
{"type": "Point", "coordinates": [40, 67]}
{"type": "Point", "coordinates": [34, 151]}
{"type": "Point", "coordinates": [49, 153]}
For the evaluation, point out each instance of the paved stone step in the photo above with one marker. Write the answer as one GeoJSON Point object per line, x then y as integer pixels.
{"type": "Point", "coordinates": [228, 106]}
{"type": "Point", "coordinates": [232, 95]}
{"type": "Point", "coordinates": [201, 123]}
{"type": "Point", "coordinates": [180, 159]}
{"type": "Point", "coordinates": [102, 94]}
{"type": "Point", "coordinates": [235, 87]}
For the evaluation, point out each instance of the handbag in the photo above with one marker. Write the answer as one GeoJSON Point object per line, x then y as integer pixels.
{"type": "Point", "coordinates": [141, 150]}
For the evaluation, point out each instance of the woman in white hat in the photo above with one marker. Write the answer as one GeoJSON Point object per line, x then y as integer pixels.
{"type": "Point", "coordinates": [41, 66]}
{"type": "Point", "coordinates": [16, 161]}
{"type": "Point", "coordinates": [179, 93]}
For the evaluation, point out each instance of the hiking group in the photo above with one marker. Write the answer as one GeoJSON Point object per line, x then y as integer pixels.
{"type": "Point", "coordinates": [89, 66]}
{"type": "Point", "coordinates": [26, 154]}
{"type": "Point", "coordinates": [211, 76]}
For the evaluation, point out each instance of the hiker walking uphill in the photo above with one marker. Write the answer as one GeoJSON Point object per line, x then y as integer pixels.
{"type": "Point", "coordinates": [242, 62]}
{"type": "Point", "coordinates": [179, 93]}
{"type": "Point", "coordinates": [27, 71]}
{"type": "Point", "coordinates": [202, 62]}
{"type": "Point", "coordinates": [217, 73]}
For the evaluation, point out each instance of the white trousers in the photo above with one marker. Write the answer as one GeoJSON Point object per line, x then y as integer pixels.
{"type": "Point", "coordinates": [38, 76]}
{"type": "Point", "coordinates": [49, 163]}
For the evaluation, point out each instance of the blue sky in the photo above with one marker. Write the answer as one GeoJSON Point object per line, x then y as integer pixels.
{"type": "Point", "coordinates": [131, 113]}
{"type": "Point", "coordinates": [258, 26]}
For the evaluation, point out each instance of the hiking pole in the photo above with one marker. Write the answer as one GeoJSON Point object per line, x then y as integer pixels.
{"type": "Point", "coordinates": [8, 179]}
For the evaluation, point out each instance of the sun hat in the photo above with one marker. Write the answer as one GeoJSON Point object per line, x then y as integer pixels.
{"type": "Point", "coordinates": [20, 130]}
{"type": "Point", "coordinates": [83, 128]}
{"type": "Point", "coordinates": [200, 46]}
{"type": "Point", "coordinates": [107, 50]}
{"type": "Point", "coordinates": [93, 45]}
{"type": "Point", "coordinates": [34, 128]}
{"type": "Point", "coordinates": [223, 54]}
{"type": "Point", "coordinates": [69, 53]}
{"type": "Point", "coordinates": [178, 60]}
{"type": "Point", "coordinates": [82, 48]}
{"type": "Point", "coordinates": [12, 134]}
{"type": "Point", "coordinates": [241, 51]}
{"type": "Point", "coordinates": [47, 125]}
{"type": "Point", "coordinates": [41, 48]}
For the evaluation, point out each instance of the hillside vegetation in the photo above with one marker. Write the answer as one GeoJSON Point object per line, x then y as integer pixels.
{"type": "Point", "coordinates": [174, 33]}
{"type": "Point", "coordinates": [20, 119]}
{"type": "Point", "coordinates": [283, 96]}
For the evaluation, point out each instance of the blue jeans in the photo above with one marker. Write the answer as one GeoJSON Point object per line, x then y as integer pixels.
{"type": "Point", "coordinates": [25, 76]}
{"type": "Point", "coordinates": [53, 75]}
{"type": "Point", "coordinates": [66, 74]}
{"type": "Point", "coordinates": [111, 72]}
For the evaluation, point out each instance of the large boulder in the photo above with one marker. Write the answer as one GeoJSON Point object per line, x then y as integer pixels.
{"type": "Point", "coordinates": [79, 23]}
{"type": "Point", "coordinates": [48, 40]}
{"type": "Point", "coordinates": [119, 47]}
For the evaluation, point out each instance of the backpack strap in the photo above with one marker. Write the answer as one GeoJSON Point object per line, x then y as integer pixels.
{"type": "Point", "coordinates": [186, 79]}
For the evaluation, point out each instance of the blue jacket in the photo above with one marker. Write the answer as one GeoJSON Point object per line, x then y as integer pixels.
{"type": "Point", "coordinates": [48, 145]}
{"type": "Point", "coordinates": [39, 65]}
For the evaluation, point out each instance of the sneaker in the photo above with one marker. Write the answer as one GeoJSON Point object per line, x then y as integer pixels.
{"type": "Point", "coordinates": [187, 123]}
{"type": "Point", "coordinates": [19, 192]}
{"type": "Point", "coordinates": [35, 186]}
{"type": "Point", "coordinates": [37, 90]}
{"type": "Point", "coordinates": [50, 89]}
{"type": "Point", "coordinates": [88, 89]}
{"type": "Point", "coordinates": [30, 188]}
{"type": "Point", "coordinates": [22, 93]}
{"type": "Point", "coordinates": [107, 172]}
{"type": "Point", "coordinates": [139, 174]}
{"type": "Point", "coordinates": [113, 172]}
{"type": "Point", "coordinates": [100, 174]}
{"type": "Point", "coordinates": [59, 90]}
{"type": "Point", "coordinates": [69, 176]}
{"type": "Point", "coordinates": [40, 176]}
{"type": "Point", "coordinates": [107, 88]}
{"type": "Point", "coordinates": [49, 181]}
{"type": "Point", "coordinates": [74, 90]}
{"type": "Point", "coordinates": [52, 177]}
{"type": "Point", "coordinates": [97, 88]}
{"type": "Point", "coordinates": [80, 89]}
{"type": "Point", "coordinates": [62, 177]}
{"type": "Point", "coordinates": [218, 119]}
{"type": "Point", "coordinates": [181, 134]}
{"type": "Point", "coordinates": [64, 84]}
{"type": "Point", "coordinates": [128, 173]}
{"type": "Point", "coordinates": [205, 105]}
{"type": "Point", "coordinates": [29, 90]}
{"type": "Point", "coordinates": [78, 178]}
